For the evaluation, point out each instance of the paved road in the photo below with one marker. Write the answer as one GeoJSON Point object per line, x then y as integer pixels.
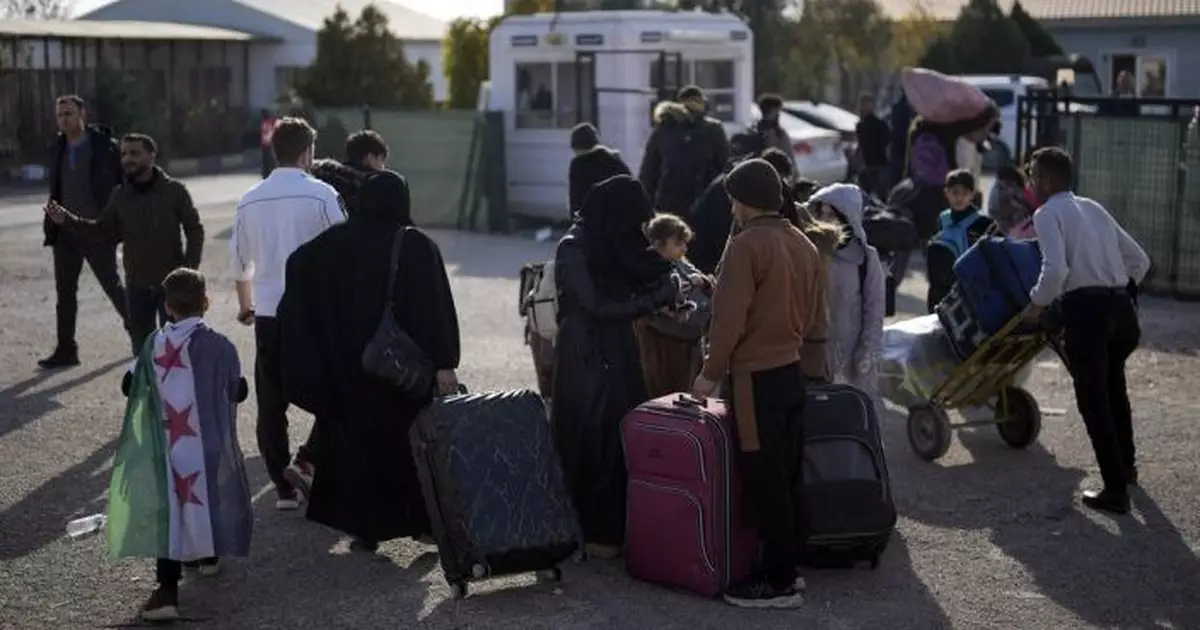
{"type": "Point", "coordinates": [988, 537]}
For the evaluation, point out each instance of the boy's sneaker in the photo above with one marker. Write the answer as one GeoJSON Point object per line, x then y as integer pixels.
{"type": "Point", "coordinates": [163, 605]}
{"type": "Point", "coordinates": [760, 594]}
{"type": "Point", "coordinates": [209, 568]}
{"type": "Point", "coordinates": [287, 502]}
{"type": "Point", "coordinates": [300, 475]}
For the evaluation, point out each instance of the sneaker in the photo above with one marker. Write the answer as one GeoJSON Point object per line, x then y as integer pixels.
{"type": "Point", "coordinates": [62, 358]}
{"type": "Point", "coordinates": [300, 475]}
{"type": "Point", "coordinates": [287, 502]}
{"type": "Point", "coordinates": [763, 595]}
{"type": "Point", "coordinates": [209, 569]}
{"type": "Point", "coordinates": [163, 605]}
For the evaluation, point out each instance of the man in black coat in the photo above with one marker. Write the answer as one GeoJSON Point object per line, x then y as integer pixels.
{"type": "Point", "coordinates": [366, 153]}
{"type": "Point", "coordinates": [85, 167]}
{"type": "Point", "coordinates": [592, 164]}
{"type": "Point", "coordinates": [686, 150]}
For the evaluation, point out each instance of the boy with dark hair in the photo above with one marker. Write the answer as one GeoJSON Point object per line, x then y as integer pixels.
{"type": "Point", "coordinates": [181, 425]}
{"type": "Point", "coordinates": [1092, 267]}
{"type": "Point", "coordinates": [366, 153]}
{"type": "Point", "coordinates": [764, 304]}
{"type": "Point", "coordinates": [959, 226]}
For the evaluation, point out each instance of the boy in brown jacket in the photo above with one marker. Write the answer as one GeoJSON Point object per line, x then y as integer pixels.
{"type": "Point", "coordinates": [765, 302]}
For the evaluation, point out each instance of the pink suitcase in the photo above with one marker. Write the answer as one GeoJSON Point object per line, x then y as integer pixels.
{"type": "Point", "coordinates": [683, 523]}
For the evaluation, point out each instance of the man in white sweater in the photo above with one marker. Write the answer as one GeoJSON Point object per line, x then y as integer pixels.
{"type": "Point", "coordinates": [1094, 267]}
{"type": "Point", "coordinates": [274, 218]}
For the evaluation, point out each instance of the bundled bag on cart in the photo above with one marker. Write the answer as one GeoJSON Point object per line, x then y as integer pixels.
{"type": "Point", "coordinates": [493, 486]}
{"type": "Point", "coordinates": [538, 305]}
{"type": "Point", "coordinates": [847, 489]}
{"type": "Point", "coordinates": [917, 357]}
{"type": "Point", "coordinates": [994, 279]}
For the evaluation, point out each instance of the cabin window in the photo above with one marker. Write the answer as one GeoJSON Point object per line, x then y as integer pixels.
{"type": "Point", "coordinates": [547, 97]}
{"type": "Point", "coordinates": [717, 77]}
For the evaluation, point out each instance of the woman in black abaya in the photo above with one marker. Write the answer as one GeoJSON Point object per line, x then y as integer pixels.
{"type": "Point", "coordinates": [607, 277]}
{"type": "Point", "coordinates": [365, 483]}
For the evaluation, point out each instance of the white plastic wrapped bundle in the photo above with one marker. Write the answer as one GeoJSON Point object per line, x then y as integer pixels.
{"type": "Point", "coordinates": [916, 359]}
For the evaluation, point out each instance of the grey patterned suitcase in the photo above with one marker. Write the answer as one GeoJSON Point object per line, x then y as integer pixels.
{"type": "Point", "coordinates": [493, 487]}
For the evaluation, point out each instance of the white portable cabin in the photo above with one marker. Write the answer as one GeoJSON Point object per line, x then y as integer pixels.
{"type": "Point", "coordinates": [549, 72]}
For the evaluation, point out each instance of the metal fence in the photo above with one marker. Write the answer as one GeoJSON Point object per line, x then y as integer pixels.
{"type": "Point", "coordinates": [453, 160]}
{"type": "Point", "coordinates": [1140, 158]}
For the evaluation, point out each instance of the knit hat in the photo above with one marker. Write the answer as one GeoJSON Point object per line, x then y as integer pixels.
{"type": "Point", "coordinates": [755, 183]}
{"type": "Point", "coordinates": [584, 137]}
{"type": "Point", "coordinates": [689, 92]}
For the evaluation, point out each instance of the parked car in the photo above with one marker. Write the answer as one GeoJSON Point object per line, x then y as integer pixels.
{"type": "Point", "coordinates": [832, 117]}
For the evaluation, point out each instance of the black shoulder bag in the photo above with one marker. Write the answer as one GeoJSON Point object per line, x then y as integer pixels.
{"type": "Point", "coordinates": [391, 355]}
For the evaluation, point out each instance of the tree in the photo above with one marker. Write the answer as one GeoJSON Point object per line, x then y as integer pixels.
{"type": "Point", "coordinates": [986, 41]}
{"type": "Point", "coordinates": [37, 9]}
{"type": "Point", "coordinates": [850, 38]}
{"type": "Point", "coordinates": [940, 56]}
{"type": "Point", "coordinates": [912, 36]}
{"type": "Point", "coordinates": [363, 63]}
{"type": "Point", "coordinates": [1041, 43]}
{"type": "Point", "coordinates": [465, 59]}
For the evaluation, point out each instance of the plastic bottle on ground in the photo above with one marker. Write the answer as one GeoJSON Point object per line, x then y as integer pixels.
{"type": "Point", "coordinates": [86, 525]}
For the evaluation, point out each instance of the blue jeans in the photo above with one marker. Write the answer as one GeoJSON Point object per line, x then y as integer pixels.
{"type": "Point", "coordinates": [146, 314]}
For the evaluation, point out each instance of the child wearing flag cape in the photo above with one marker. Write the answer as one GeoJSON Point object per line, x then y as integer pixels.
{"type": "Point", "coordinates": [179, 491]}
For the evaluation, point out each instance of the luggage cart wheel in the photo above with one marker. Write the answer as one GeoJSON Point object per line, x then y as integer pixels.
{"type": "Point", "coordinates": [1018, 418]}
{"type": "Point", "coordinates": [928, 431]}
{"type": "Point", "coordinates": [458, 590]}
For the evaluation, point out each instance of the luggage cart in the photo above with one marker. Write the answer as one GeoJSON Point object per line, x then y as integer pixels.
{"type": "Point", "coordinates": [984, 380]}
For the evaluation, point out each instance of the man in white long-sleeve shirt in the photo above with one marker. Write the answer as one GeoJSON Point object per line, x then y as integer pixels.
{"type": "Point", "coordinates": [1094, 266]}
{"type": "Point", "coordinates": [274, 218]}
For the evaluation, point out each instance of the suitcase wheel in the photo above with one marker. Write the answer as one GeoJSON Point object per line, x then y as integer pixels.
{"type": "Point", "coordinates": [458, 590]}
{"type": "Point", "coordinates": [479, 572]}
{"type": "Point", "coordinates": [553, 574]}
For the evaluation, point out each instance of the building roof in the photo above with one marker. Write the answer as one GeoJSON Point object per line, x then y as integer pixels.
{"type": "Point", "coordinates": [405, 23]}
{"type": "Point", "coordinates": [1056, 9]}
{"type": "Point", "coordinates": [119, 29]}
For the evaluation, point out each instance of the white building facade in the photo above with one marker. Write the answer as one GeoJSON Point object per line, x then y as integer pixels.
{"type": "Point", "coordinates": [290, 33]}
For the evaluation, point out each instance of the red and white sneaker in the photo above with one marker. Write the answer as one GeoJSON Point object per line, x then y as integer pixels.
{"type": "Point", "coordinates": [300, 475]}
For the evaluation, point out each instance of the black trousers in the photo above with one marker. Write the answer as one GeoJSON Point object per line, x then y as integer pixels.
{"type": "Point", "coordinates": [145, 313]}
{"type": "Point", "coordinates": [272, 426]}
{"type": "Point", "coordinates": [168, 572]}
{"type": "Point", "coordinates": [1100, 332]}
{"type": "Point", "coordinates": [69, 255]}
{"type": "Point", "coordinates": [772, 477]}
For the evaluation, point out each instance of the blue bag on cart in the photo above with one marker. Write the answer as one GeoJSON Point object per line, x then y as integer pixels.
{"type": "Point", "coordinates": [958, 320]}
{"type": "Point", "coordinates": [995, 277]}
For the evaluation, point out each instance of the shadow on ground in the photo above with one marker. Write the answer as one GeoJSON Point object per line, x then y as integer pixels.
{"type": "Point", "coordinates": [23, 406]}
{"type": "Point", "coordinates": [1143, 575]}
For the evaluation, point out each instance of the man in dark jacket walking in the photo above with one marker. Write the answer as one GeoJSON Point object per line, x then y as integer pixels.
{"type": "Point", "coordinates": [85, 167]}
{"type": "Point", "coordinates": [592, 164]}
{"type": "Point", "coordinates": [147, 213]}
{"type": "Point", "coordinates": [366, 153]}
{"type": "Point", "coordinates": [686, 150]}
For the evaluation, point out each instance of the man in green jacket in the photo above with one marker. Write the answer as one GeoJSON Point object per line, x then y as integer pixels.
{"type": "Point", "coordinates": [151, 214]}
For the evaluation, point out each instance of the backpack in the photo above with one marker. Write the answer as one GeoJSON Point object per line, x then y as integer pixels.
{"type": "Point", "coordinates": [954, 236]}
{"type": "Point", "coordinates": [888, 227]}
{"type": "Point", "coordinates": [538, 300]}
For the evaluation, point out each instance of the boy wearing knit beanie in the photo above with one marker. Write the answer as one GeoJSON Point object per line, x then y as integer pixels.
{"type": "Point", "coordinates": [765, 301]}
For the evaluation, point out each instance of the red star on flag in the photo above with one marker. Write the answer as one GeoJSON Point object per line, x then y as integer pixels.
{"type": "Point", "coordinates": [183, 488]}
{"type": "Point", "coordinates": [176, 423]}
{"type": "Point", "coordinates": [172, 357]}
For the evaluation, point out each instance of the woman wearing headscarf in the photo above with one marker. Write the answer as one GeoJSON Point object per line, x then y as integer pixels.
{"type": "Point", "coordinates": [336, 287]}
{"type": "Point", "coordinates": [856, 290]}
{"type": "Point", "coordinates": [607, 277]}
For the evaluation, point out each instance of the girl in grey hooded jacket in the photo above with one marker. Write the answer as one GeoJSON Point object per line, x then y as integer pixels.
{"type": "Point", "coordinates": [856, 291]}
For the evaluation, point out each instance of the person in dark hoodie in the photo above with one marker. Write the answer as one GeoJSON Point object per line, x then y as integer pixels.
{"type": "Point", "coordinates": [592, 164]}
{"type": "Point", "coordinates": [366, 153]}
{"type": "Point", "coordinates": [147, 213]}
{"type": "Point", "coordinates": [686, 150]}
{"type": "Point", "coordinates": [85, 167]}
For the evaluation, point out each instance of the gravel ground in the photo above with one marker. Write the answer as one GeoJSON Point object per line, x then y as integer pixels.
{"type": "Point", "coordinates": [988, 537]}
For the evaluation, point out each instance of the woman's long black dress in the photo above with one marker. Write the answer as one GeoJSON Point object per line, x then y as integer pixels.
{"type": "Point", "coordinates": [365, 483]}
{"type": "Point", "coordinates": [604, 285]}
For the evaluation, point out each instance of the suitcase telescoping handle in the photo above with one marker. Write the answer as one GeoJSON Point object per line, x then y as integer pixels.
{"type": "Point", "coordinates": [688, 400]}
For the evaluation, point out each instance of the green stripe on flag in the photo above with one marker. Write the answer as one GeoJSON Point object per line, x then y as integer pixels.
{"type": "Point", "coordinates": [139, 517]}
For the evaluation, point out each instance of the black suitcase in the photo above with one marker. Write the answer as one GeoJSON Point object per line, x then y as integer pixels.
{"type": "Point", "coordinates": [848, 494]}
{"type": "Point", "coordinates": [493, 487]}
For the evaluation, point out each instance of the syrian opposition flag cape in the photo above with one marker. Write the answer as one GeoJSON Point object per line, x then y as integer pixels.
{"type": "Point", "coordinates": [179, 488]}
